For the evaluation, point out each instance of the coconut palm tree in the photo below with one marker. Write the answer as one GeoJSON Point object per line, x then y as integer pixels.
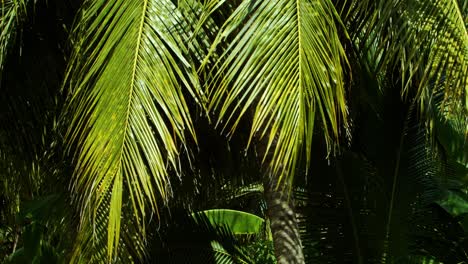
{"type": "Point", "coordinates": [273, 49]}
{"type": "Point", "coordinates": [116, 117]}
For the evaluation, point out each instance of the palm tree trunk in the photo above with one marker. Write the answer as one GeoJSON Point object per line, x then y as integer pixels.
{"type": "Point", "coordinates": [283, 223]}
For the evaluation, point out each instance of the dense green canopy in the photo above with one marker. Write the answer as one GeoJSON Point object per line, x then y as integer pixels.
{"type": "Point", "coordinates": [121, 119]}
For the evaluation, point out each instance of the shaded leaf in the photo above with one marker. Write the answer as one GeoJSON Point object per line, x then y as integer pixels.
{"type": "Point", "coordinates": [237, 222]}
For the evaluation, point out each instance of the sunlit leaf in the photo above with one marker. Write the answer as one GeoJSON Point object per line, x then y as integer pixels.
{"type": "Point", "coordinates": [129, 117]}
{"type": "Point", "coordinates": [237, 222]}
{"type": "Point", "coordinates": [285, 62]}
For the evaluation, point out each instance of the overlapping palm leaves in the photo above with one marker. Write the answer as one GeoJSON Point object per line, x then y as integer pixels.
{"type": "Point", "coordinates": [426, 41]}
{"type": "Point", "coordinates": [280, 63]}
{"type": "Point", "coordinates": [285, 60]}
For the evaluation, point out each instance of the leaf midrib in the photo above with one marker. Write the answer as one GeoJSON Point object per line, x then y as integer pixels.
{"type": "Point", "coordinates": [132, 84]}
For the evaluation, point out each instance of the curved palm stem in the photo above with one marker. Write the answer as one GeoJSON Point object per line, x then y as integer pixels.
{"type": "Point", "coordinates": [283, 64]}
{"type": "Point", "coordinates": [351, 214]}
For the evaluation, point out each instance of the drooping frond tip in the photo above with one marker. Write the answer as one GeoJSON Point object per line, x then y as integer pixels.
{"type": "Point", "coordinates": [12, 13]}
{"type": "Point", "coordinates": [286, 63]}
{"type": "Point", "coordinates": [128, 75]}
{"type": "Point", "coordinates": [425, 42]}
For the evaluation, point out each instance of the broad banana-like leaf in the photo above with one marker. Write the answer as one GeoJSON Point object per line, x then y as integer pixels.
{"type": "Point", "coordinates": [237, 222]}
{"type": "Point", "coordinates": [454, 203]}
{"type": "Point", "coordinates": [128, 114]}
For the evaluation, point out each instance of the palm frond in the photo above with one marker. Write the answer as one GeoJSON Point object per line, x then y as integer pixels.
{"type": "Point", "coordinates": [12, 13]}
{"type": "Point", "coordinates": [91, 245]}
{"type": "Point", "coordinates": [425, 42]}
{"type": "Point", "coordinates": [286, 62]}
{"type": "Point", "coordinates": [128, 77]}
{"type": "Point", "coordinates": [198, 26]}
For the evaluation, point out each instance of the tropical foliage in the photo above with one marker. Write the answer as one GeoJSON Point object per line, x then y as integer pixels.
{"type": "Point", "coordinates": [242, 131]}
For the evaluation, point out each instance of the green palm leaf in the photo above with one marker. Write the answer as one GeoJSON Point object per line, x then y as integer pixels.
{"type": "Point", "coordinates": [128, 113]}
{"type": "Point", "coordinates": [285, 61]}
{"type": "Point", "coordinates": [426, 41]}
{"type": "Point", "coordinates": [237, 221]}
{"type": "Point", "coordinates": [12, 12]}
